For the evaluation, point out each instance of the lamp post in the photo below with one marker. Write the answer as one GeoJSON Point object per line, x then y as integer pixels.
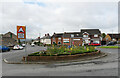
{"type": "Point", "coordinates": [39, 38]}
{"type": "Point", "coordinates": [63, 36]}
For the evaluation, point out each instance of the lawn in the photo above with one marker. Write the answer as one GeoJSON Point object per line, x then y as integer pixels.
{"type": "Point", "coordinates": [109, 47]}
{"type": "Point", "coordinates": [64, 50]}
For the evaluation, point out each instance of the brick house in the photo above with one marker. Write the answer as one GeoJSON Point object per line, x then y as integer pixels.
{"type": "Point", "coordinates": [91, 35]}
{"type": "Point", "coordinates": [77, 38]}
{"type": "Point", "coordinates": [67, 38]}
{"type": "Point", "coordinates": [112, 37]}
{"type": "Point", "coordinates": [57, 38]}
{"type": "Point", "coordinates": [8, 39]}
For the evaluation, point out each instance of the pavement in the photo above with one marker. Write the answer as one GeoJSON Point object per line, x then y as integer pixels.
{"type": "Point", "coordinates": [105, 66]}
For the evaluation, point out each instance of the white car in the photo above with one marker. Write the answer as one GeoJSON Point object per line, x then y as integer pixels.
{"type": "Point", "coordinates": [23, 45]}
{"type": "Point", "coordinates": [17, 47]}
{"type": "Point", "coordinates": [32, 45]}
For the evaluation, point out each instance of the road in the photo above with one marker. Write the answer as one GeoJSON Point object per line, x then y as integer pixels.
{"type": "Point", "coordinates": [106, 66]}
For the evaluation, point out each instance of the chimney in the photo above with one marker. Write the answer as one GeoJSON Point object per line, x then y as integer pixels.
{"type": "Point", "coordinates": [47, 34]}
{"type": "Point", "coordinates": [38, 37]}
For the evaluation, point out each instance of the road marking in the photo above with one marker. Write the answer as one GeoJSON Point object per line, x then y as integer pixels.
{"type": "Point", "coordinates": [5, 60]}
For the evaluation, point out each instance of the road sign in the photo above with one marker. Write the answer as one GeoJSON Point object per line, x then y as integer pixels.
{"type": "Point", "coordinates": [21, 32]}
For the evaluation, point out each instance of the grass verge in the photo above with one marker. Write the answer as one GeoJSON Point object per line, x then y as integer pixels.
{"type": "Point", "coordinates": [109, 47]}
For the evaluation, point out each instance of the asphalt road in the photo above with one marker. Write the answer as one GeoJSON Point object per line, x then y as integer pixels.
{"type": "Point", "coordinates": [106, 66]}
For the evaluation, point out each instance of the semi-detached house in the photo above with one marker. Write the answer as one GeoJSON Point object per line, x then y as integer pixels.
{"type": "Point", "coordinates": [77, 38]}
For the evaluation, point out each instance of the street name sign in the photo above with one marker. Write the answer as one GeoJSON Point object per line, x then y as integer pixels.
{"type": "Point", "coordinates": [21, 32]}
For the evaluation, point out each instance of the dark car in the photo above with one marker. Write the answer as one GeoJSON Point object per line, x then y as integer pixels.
{"type": "Point", "coordinates": [111, 43]}
{"type": "Point", "coordinates": [4, 48]}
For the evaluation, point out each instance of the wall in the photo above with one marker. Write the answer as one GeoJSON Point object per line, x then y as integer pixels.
{"type": "Point", "coordinates": [77, 42]}
{"type": "Point", "coordinates": [47, 41]}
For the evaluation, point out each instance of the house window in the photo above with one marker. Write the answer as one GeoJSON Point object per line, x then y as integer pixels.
{"type": "Point", "coordinates": [72, 35]}
{"type": "Point", "coordinates": [85, 35]}
{"type": "Point", "coordinates": [59, 38]}
{"type": "Point", "coordinates": [77, 34]}
{"type": "Point", "coordinates": [95, 35]}
{"type": "Point", "coordinates": [53, 38]}
{"type": "Point", "coordinates": [53, 42]}
{"type": "Point", "coordinates": [11, 35]}
{"type": "Point", "coordinates": [59, 42]}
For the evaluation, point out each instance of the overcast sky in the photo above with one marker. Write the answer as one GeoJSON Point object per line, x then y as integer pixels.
{"type": "Point", "coordinates": [58, 16]}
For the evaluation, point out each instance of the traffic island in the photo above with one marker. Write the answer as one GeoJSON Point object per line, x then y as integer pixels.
{"type": "Point", "coordinates": [61, 55]}
{"type": "Point", "coordinates": [60, 58]}
{"type": "Point", "coordinates": [55, 54]}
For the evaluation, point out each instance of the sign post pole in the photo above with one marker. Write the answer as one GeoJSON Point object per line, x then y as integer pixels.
{"type": "Point", "coordinates": [21, 34]}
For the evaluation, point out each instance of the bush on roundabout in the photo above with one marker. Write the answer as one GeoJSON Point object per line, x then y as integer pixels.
{"type": "Point", "coordinates": [64, 50]}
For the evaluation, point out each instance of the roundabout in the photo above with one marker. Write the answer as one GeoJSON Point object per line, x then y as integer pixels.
{"type": "Point", "coordinates": [64, 54]}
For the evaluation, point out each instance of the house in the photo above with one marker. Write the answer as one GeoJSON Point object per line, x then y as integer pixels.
{"type": "Point", "coordinates": [57, 38]}
{"type": "Point", "coordinates": [46, 39]}
{"type": "Point", "coordinates": [74, 38]}
{"type": "Point", "coordinates": [112, 37]}
{"type": "Point", "coordinates": [77, 38]}
{"type": "Point", "coordinates": [8, 39]}
{"type": "Point", "coordinates": [91, 35]}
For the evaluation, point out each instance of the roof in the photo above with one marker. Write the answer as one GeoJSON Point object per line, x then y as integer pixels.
{"type": "Point", "coordinates": [76, 34]}
{"type": "Point", "coordinates": [67, 34]}
{"type": "Point", "coordinates": [91, 31]}
{"type": "Point", "coordinates": [46, 37]}
{"type": "Point", "coordinates": [114, 35]}
{"type": "Point", "coordinates": [57, 35]}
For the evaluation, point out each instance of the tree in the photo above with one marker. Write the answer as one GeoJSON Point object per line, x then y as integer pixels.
{"type": "Point", "coordinates": [32, 40]}
{"type": "Point", "coordinates": [103, 35]}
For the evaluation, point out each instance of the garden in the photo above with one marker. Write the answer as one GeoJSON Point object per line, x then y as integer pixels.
{"type": "Point", "coordinates": [64, 50]}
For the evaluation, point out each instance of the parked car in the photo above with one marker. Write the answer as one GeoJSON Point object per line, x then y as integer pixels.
{"type": "Point", "coordinates": [23, 45]}
{"type": "Point", "coordinates": [94, 44]}
{"type": "Point", "coordinates": [4, 48]}
{"type": "Point", "coordinates": [111, 43]}
{"type": "Point", "coordinates": [17, 47]}
{"type": "Point", "coordinates": [32, 45]}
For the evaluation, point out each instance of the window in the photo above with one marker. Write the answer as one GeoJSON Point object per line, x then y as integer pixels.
{"type": "Point", "coordinates": [85, 35]}
{"type": "Point", "coordinates": [11, 35]}
{"type": "Point", "coordinates": [72, 35]}
{"type": "Point", "coordinates": [59, 42]}
{"type": "Point", "coordinates": [53, 38]}
{"type": "Point", "coordinates": [77, 34]}
{"type": "Point", "coordinates": [95, 35]}
{"type": "Point", "coordinates": [59, 38]}
{"type": "Point", "coordinates": [53, 42]}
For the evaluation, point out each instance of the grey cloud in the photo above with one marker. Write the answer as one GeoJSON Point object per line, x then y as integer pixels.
{"type": "Point", "coordinates": [56, 16]}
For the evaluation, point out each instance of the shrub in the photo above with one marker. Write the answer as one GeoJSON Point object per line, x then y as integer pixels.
{"type": "Point", "coordinates": [64, 50]}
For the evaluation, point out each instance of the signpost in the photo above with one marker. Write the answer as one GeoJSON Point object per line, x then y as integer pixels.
{"type": "Point", "coordinates": [21, 34]}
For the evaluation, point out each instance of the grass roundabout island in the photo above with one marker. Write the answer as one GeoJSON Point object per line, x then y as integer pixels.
{"type": "Point", "coordinates": [56, 53]}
